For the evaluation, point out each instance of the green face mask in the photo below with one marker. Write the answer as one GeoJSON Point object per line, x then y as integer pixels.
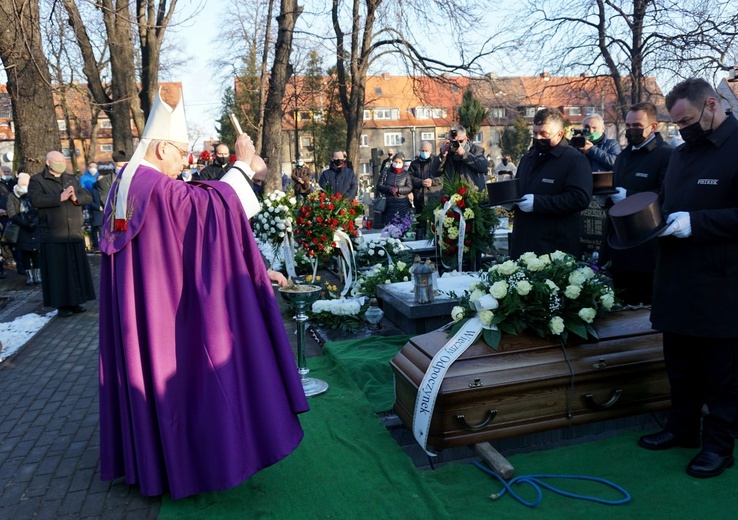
{"type": "Point", "coordinates": [592, 137]}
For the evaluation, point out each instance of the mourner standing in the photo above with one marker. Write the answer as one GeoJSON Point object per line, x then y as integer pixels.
{"type": "Point", "coordinates": [556, 183]}
{"type": "Point", "coordinates": [696, 281]}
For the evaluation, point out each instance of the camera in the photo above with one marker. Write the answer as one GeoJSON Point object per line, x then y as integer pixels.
{"type": "Point", "coordinates": [453, 138]}
{"type": "Point", "coordinates": [577, 138]}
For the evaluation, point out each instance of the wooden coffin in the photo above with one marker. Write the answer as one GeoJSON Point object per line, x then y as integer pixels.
{"type": "Point", "coordinates": [530, 384]}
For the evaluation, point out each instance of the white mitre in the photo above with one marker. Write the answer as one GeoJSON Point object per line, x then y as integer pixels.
{"type": "Point", "coordinates": [165, 124]}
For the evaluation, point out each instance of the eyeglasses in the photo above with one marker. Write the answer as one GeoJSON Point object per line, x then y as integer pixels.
{"type": "Point", "coordinates": [183, 153]}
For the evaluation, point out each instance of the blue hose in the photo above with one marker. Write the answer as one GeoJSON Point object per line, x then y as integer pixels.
{"type": "Point", "coordinates": [536, 482]}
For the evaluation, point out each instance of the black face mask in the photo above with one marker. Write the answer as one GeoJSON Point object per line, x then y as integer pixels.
{"type": "Point", "coordinates": [221, 160]}
{"type": "Point", "coordinates": [542, 145]}
{"type": "Point", "coordinates": [338, 162]}
{"type": "Point", "coordinates": [635, 136]}
{"type": "Point", "coordinates": [694, 133]}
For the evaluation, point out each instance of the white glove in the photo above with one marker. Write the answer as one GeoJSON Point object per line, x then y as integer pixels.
{"type": "Point", "coordinates": [600, 199]}
{"type": "Point", "coordinates": [620, 195]}
{"type": "Point", "coordinates": [680, 225]}
{"type": "Point", "coordinates": [507, 207]}
{"type": "Point", "coordinates": [526, 204]}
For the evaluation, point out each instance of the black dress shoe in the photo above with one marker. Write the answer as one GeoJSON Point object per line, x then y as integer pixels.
{"type": "Point", "coordinates": [76, 309]}
{"type": "Point", "coordinates": [708, 464]}
{"type": "Point", "coordinates": [664, 440]}
{"type": "Point", "coordinates": [64, 312]}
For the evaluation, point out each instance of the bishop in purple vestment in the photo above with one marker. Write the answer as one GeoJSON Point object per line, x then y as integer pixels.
{"type": "Point", "coordinates": [198, 384]}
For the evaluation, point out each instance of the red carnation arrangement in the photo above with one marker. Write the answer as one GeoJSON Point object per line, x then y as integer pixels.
{"type": "Point", "coordinates": [318, 219]}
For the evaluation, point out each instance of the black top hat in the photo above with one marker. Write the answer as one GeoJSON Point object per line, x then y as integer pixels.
{"type": "Point", "coordinates": [502, 192]}
{"type": "Point", "coordinates": [603, 183]}
{"type": "Point", "coordinates": [635, 220]}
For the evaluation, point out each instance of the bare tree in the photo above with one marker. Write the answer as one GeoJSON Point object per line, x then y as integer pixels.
{"type": "Point", "coordinates": [271, 148]}
{"type": "Point", "coordinates": [118, 98]}
{"type": "Point", "coordinates": [629, 40]}
{"type": "Point", "coordinates": [29, 85]}
{"type": "Point", "coordinates": [376, 29]}
{"type": "Point", "coordinates": [153, 18]}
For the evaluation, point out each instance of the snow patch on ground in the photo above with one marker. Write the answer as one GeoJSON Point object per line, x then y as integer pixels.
{"type": "Point", "coordinates": [15, 334]}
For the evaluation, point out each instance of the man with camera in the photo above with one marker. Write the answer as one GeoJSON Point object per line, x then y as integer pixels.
{"type": "Point", "coordinates": [457, 156]}
{"type": "Point", "coordinates": [591, 141]}
{"type": "Point", "coordinates": [557, 184]}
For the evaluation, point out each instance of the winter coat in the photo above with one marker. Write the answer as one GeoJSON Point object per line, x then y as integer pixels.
{"type": "Point", "coordinates": [603, 154]}
{"type": "Point", "coordinates": [59, 221]}
{"type": "Point", "coordinates": [21, 212]}
{"type": "Point", "coordinates": [399, 202]}
{"type": "Point", "coordinates": [305, 174]}
{"type": "Point", "coordinates": [471, 167]}
{"type": "Point", "coordinates": [419, 171]}
{"type": "Point", "coordinates": [340, 180]}
{"type": "Point", "coordinates": [99, 192]}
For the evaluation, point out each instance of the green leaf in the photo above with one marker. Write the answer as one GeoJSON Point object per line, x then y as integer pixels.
{"type": "Point", "coordinates": [492, 338]}
{"type": "Point", "coordinates": [577, 328]}
{"type": "Point", "coordinates": [456, 326]}
{"type": "Point", "coordinates": [592, 331]}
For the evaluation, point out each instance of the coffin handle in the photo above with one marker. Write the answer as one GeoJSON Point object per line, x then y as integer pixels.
{"type": "Point", "coordinates": [589, 398]}
{"type": "Point", "coordinates": [490, 417]}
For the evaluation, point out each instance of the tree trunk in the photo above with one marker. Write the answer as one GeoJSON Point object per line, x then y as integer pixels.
{"type": "Point", "coordinates": [281, 72]}
{"type": "Point", "coordinates": [29, 84]}
{"type": "Point", "coordinates": [263, 78]}
{"type": "Point", "coordinates": [153, 19]}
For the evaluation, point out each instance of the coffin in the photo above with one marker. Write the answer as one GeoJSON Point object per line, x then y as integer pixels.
{"type": "Point", "coordinates": [531, 385]}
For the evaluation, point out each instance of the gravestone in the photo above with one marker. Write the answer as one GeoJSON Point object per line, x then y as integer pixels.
{"type": "Point", "coordinates": [592, 228]}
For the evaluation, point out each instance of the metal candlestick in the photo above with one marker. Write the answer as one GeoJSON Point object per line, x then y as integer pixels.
{"type": "Point", "coordinates": [299, 300]}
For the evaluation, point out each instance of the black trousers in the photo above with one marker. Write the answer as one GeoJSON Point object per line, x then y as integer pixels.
{"type": "Point", "coordinates": [703, 371]}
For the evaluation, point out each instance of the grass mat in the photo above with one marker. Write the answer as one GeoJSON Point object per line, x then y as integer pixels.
{"type": "Point", "coordinates": [349, 467]}
{"type": "Point", "coordinates": [366, 361]}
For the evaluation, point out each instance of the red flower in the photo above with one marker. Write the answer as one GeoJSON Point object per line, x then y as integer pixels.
{"type": "Point", "coordinates": [461, 203]}
{"type": "Point", "coordinates": [467, 243]}
{"type": "Point", "coordinates": [444, 199]}
{"type": "Point", "coordinates": [461, 191]}
{"type": "Point", "coordinates": [319, 219]}
{"type": "Point", "coordinates": [331, 207]}
{"type": "Point", "coordinates": [342, 212]}
{"type": "Point", "coordinates": [352, 211]}
{"type": "Point", "coordinates": [448, 240]}
{"type": "Point", "coordinates": [456, 216]}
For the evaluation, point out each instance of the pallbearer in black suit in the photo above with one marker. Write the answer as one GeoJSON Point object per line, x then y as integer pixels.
{"type": "Point", "coordinates": [696, 281]}
{"type": "Point", "coordinates": [556, 183]}
{"type": "Point", "coordinates": [640, 167]}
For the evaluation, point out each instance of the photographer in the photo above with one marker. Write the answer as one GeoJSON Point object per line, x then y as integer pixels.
{"type": "Point", "coordinates": [458, 156]}
{"type": "Point", "coordinates": [592, 142]}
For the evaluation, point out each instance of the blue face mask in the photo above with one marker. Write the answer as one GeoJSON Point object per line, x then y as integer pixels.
{"type": "Point", "coordinates": [424, 155]}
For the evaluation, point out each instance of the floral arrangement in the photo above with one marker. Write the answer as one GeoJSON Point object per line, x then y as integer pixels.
{"type": "Point", "coordinates": [400, 225]}
{"type": "Point", "coordinates": [329, 291]}
{"type": "Point", "coordinates": [275, 220]}
{"type": "Point", "coordinates": [374, 252]}
{"type": "Point", "coordinates": [367, 283]}
{"type": "Point", "coordinates": [551, 295]}
{"type": "Point", "coordinates": [461, 200]}
{"type": "Point", "coordinates": [342, 314]}
{"type": "Point", "coordinates": [318, 219]}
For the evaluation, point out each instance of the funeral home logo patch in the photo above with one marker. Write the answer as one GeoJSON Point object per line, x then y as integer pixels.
{"type": "Point", "coordinates": [644, 175]}
{"type": "Point", "coordinates": [547, 181]}
{"type": "Point", "coordinates": [709, 182]}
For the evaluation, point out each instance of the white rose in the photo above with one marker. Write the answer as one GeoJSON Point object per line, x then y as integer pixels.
{"type": "Point", "coordinates": [476, 285]}
{"type": "Point", "coordinates": [371, 252]}
{"type": "Point", "coordinates": [572, 291]}
{"type": "Point", "coordinates": [608, 300]}
{"type": "Point", "coordinates": [293, 201]}
{"type": "Point", "coordinates": [587, 314]}
{"type": "Point", "coordinates": [524, 287]}
{"type": "Point", "coordinates": [577, 278]}
{"type": "Point", "coordinates": [558, 255]}
{"type": "Point", "coordinates": [556, 325]}
{"type": "Point", "coordinates": [528, 257]}
{"type": "Point", "coordinates": [508, 268]}
{"type": "Point", "coordinates": [485, 317]}
{"type": "Point", "coordinates": [475, 295]}
{"type": "Point", "coordinates": [551, 285]}
{"type": "Point", "coordinates": [499, 289]}
{"type": "Point", "coordinates": [457, 313]}
{"type": "Point", "coordinates": [401, 265]}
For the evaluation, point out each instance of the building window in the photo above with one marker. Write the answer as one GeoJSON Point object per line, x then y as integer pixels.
{"type": "Point", "coordinates": [305, 142]}
{"type": "Point", "coordinates": [590, 111]}
{"type": "Point", "coordinates": [499, 112]}
{"type": "Point", "coordinates": [106, 148]}
{"type": "Point", "coordinates": [378, 91]}
{"type": "Point", "coordinates": [387, 113]}
{"type": "Point", "coordinates": [65, 152]}
{"type": "Point", "coordinates": [105, 123]}
{"type": "Point", "coordinates": [367, 115]}
{"type": "Point", "coordinates": [575, 111]}
{"type": "Point", "coordinates": [428, 113]}
{"type": "Point", "coordinates": [364, 140]}
{"type": "Point", "coordinates": [530, 112]}
{"type": "Point", "coordinates": [392, 138]}
{"type": "Point", "coordinates": [478, 138]}
{"type": "Point", "coordinates": [62, 125]}
{"type": "Point", "coordinates": [427, 136]}
{"type": "Point", "coordinates": [365, 169]}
